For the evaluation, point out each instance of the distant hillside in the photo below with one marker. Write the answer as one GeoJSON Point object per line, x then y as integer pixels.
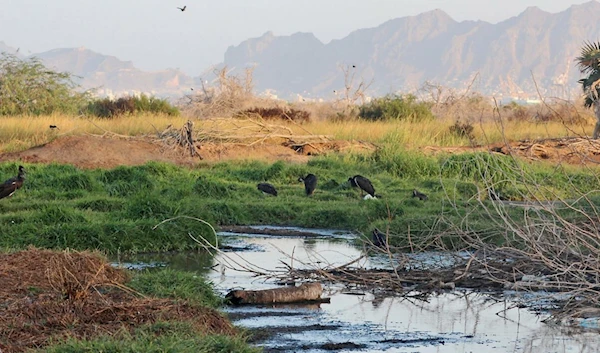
{"type": "Point", "coordinates": [399, 55]}
{"type": "Point", "coordinates": [115, 77]}
{"type": "Point", "coordinates": [5, 48]}
{"type": "Point", "coordinates": [403, 53]}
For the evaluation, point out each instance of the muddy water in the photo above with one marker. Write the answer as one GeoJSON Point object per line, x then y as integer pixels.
{"type": "Point", "coordinates": [455, 322]}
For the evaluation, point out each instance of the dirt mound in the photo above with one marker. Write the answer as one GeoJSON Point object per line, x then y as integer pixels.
{"type": "Point", "coordinates": [87, 151]}
{"type": "Point", "coordinates": [571, 150]}
{"type": "Point", "coordinates": [98, 152]}
{"type": "Point", "coordinates": [49, 295]}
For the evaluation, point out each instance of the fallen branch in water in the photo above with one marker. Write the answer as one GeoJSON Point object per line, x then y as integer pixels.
{"type": "Point", "coordinates": [306, 292]}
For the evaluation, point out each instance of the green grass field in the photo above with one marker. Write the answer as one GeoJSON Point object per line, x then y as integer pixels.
{"type": "Point", "coordinates": [119, 210]}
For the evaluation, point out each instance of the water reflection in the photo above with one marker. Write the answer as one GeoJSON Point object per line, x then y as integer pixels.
{"type": "Point", "coordinates": [200, 262]}
{"type": "Point", "coordinates": [456, 322]}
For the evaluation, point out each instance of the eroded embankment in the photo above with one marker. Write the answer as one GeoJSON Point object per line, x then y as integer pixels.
{"type": "Point", "coordinates": [47, 296]}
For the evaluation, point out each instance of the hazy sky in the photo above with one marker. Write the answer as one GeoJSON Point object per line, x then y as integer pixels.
{"type": "Point", "coordinates": [155, 35]}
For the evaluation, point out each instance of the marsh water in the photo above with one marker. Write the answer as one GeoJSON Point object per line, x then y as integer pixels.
{"type": "Point", "coordinates": [357, 321]}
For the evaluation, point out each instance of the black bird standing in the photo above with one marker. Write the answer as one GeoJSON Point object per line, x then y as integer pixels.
{"type": "Point", "coordinates": [363, 184]}
{"type": "Point", "coordinates": [420, 195]}
{"type": "Point", "coordinates": [182, 8]}
{"type": "Point", "coordinates": [267, 189]}
{"type": "Point", "coordinates": [379, 238]}
{"type": "Point", "coordinates": [310, 183]}
{"type": "Point", "coordinates": [11, 185]}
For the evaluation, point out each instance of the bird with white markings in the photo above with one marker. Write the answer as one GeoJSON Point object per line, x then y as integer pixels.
{"type": "Point", "coordinates": [267, 189]}
{"type": "Point", "coordinates": [11, 185]}
{"type": "Point", "coordinates": [364, 184]}
{"type": "Point", "coordinates": [420, 195]}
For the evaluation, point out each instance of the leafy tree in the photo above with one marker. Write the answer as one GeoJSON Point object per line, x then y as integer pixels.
{"type": "Point", "coordinates": [589, 63]}
{"type": "Point", "coordinates": [396, 107]}
{"type": "Point", "coordinates": [27, 87]}
{"type": "Point", "coordinates": [110, 108]}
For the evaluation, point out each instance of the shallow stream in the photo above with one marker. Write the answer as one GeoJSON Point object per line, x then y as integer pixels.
{"type": "Point", "coordinates": [454, 322]}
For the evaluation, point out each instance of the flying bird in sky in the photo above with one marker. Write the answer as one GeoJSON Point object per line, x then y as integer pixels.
{"type": "Point", "coordinates": [182, 8]}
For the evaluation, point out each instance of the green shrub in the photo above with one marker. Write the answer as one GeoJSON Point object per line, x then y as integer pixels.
{"type": "Point", "coordinates": [276, 113]}
{"type": "Point", "coordinates": [27, 87]}
{"type": "Point", "coordinates": [396, 107]}
{"type": "Point", "coordinates": [110, 108]}
{"type": "Point", "coordinates": [462, 130]}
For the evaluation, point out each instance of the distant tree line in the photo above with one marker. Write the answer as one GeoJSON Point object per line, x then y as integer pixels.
{"type": "Point", "coordinates": [27, 87]}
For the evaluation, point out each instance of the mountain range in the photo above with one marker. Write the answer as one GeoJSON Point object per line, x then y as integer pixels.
{"type": "Point", "coordinates": [513, 58]}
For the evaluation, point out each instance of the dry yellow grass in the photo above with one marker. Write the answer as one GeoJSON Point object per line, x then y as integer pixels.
{"type": "Point", "coordinates": [19, 133]}
{"type": "Point", "coordinates": [437, 132]}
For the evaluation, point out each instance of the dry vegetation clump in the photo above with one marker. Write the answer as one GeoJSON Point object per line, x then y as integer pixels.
{"type": "Point", "coordinates": [555, 111]}
{"type": "Point", "coordinates": [324, 111]}
{"type": "Point", "coordinates": [181, 139]}
{"type": "Point", "coordinates": [490, 273]}
{"type": "Point", "coordinates": [48, 296]}
{"type": "Point", "coordinates": [229, 94]}
{"type": "Point", "coordinates": [471, 107]}
{"type": "Point", "coordinates": [449, 103]}
{"type": "Point", "coordinates": [276, 113]}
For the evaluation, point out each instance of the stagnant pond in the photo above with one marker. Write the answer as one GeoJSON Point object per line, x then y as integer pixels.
{"type": "Point", "coordinates": [457, 322]}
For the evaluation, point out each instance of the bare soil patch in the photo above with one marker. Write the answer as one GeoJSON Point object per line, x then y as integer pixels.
{"type": "Point", "coordinates": [90, 151]}
{"type": "Point", "coordinates": [570, 150]}
{"type": "Point", "coordinates": [47, 296]}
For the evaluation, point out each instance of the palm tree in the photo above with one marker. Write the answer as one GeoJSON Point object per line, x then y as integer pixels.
{"type": "Point", "coordinates": [589, 63]}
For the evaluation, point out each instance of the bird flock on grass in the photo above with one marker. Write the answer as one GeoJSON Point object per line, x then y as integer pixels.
{"type": "Point", "coordinates": [8, 188]}
{"type": "Point", "coordinates": [378, 238]}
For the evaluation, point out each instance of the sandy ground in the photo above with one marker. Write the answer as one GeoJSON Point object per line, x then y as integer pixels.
{"type": "Point", "coordinates": [574, 151]}
{"type": "Point", "coordinates": [89, 151]}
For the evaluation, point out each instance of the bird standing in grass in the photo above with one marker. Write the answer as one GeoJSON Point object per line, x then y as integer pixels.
{"type": "Point", "coordinates": [310, 183]}
{"type": "Point", "coordinates": [182, 8]}
{"type": "Point", "coordinates": [267, 188]}
{"type": "Point", "coordinates": [11, 185]}
{"type": "Point", "coordinates": [420, 195]}
{"type": "Point", "coordinates": [363, 184]}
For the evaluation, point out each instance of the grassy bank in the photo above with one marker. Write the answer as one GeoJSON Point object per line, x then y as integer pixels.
{"type": "Point", "coordinates": [178, 337]}
{"type": "Point", "coordinates": [117, 210]}
{"type": "Point", "coordinates": [19, 133]}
